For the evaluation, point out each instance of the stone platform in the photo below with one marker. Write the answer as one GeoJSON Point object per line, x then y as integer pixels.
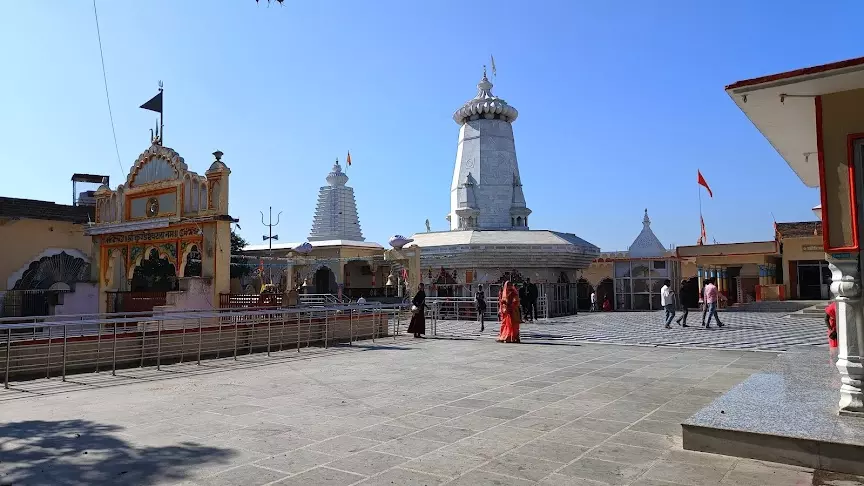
{"type": "Point", "coordinates": [787, 414]}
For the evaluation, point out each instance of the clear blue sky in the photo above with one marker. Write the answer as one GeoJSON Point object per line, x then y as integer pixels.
{"type": "Point", "coordinates": [620, 103]}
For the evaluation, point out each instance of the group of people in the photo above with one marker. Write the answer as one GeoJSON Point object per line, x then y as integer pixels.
{"type": "Point", "coordinates": [607, 304]}
{"type": "Point", "coordinates": [710, 298]}
{"type": "Point", "coordinates": [511, 308]}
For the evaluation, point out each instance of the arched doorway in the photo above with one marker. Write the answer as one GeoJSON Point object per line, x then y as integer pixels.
{"type": "Point", "coordinates": [605, 289]}
{"type": "Point", "coordinates": [325, 281]}
{"type": "Point", "coordinates": [192, 266]}
{"type": "Point", "coordinates": [445, 284]}
{"type": "Point", "coordinates": [583, 294]}
{"type": "Point", "coordinates": [154, 274]}
{"type": "Point", "coordinates": [40, 286]}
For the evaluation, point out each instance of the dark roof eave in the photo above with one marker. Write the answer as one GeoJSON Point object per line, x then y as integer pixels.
{"type": "Point", "coordinates": [796, 73]}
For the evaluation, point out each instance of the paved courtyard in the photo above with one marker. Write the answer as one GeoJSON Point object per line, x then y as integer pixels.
{"type": "Point", "coordinates": [395, 412]}
{"type": "Point", "coordinates": [744, 330]}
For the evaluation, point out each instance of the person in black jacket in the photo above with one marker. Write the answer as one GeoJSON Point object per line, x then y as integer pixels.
{"type": "Point", "coordinates": [532, 294]}
{"type": "Point", "coordinates": [689, 297]}
{"type": "Point", "coordinates": [418, 319]}
{"type": "Point", "coordinates": [480, 303]}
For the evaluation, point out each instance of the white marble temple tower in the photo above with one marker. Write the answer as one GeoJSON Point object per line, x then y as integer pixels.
{"type": "Point", "coordinates": [486, 192]}
{"type": "Point", "coordinates": [336, 214]}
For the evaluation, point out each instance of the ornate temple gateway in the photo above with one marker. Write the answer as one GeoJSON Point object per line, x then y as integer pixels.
{"type": "Point", "coordinates": [489, 240]}
{"type": "Point", "coordinates": [163, 237]}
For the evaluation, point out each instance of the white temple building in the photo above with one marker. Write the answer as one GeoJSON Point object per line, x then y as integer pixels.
{"type": "Point", "coordinates": [340, 262]}
{"type": "Point", "coordinates": [336, 214]}
{"type": "Point", "coordinates": [631, 279]}
{"type": "Point", "coordinates": [489, 241]}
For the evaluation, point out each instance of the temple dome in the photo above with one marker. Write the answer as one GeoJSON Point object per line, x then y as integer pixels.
{"type": "Point", "coordinates": [646, 245]}
{"type": "Point", "coordinates": [485, 104]}
{"type": "Point", "coordinates": [336, 177]}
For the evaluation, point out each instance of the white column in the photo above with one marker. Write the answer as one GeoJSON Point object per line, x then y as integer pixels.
{"type": "Point", "coordinates": [846, 287]}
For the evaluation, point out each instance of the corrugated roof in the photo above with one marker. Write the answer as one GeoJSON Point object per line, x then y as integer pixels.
{"type": "Point", "coordinates": [315, 244]}
{"type": "Point", "coordinates": [11, 207]}
{"type": "Point", "coordinates": [502, 237]}
{"type": "Point", "coordinates": [801, 229]}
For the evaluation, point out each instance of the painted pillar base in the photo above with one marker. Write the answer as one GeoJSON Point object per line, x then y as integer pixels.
{"type": "Point", "coordinates": [846, 287]}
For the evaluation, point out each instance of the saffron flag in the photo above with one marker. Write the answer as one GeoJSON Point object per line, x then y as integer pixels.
{"type": "Point", "coordinates": [348, 160]}
{"type": "Point", "coordinates": [704, 184]}
{"type": "Point", "coordinates": [703, 236]}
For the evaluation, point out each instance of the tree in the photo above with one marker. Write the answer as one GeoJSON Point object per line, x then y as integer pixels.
{"type": "Point", "coordinates": [239, 267]}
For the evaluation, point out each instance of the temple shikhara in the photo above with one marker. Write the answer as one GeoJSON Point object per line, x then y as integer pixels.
{"type": "Point", "coordinates": [489, 241]}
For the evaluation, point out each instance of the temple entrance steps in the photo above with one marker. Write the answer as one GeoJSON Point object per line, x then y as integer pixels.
{"type": "Point", "coordinates": [786, 413]}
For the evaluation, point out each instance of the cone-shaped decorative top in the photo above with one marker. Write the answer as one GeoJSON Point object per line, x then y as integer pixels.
{"type": "Point", "coordinates": [336, 177]}
{"type": "Point", "coordinates": [646, 245]}
{"type": "Point", "coordinates": [485, 104]}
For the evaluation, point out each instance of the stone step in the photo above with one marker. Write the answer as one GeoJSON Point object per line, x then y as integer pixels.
{"type": "Point", "coordinates": [787, 414]}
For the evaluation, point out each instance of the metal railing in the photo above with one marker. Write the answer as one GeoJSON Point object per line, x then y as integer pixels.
{"type": "Point", "coordinates": [46, 347]}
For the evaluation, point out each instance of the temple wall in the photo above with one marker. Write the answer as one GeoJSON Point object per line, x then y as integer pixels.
{"type": "Point", "coordinates": [27, 240]}
{"type": "Point", "coordinates": [841, 117]}
{"type": "Point", "coordinates": [84, 300]}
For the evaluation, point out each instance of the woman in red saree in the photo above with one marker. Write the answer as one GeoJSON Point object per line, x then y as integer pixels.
{"type": "Point", "coordinates": [508, 308]}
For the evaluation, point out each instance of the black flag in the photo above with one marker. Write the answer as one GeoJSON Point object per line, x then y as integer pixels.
{"type": "Point", "coordinates": [155, 103]}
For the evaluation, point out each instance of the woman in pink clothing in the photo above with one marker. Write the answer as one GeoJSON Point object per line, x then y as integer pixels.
{"type": "Point", "coordinates": [711, 295]}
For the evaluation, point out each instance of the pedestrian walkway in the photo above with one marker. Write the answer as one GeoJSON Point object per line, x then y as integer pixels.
{"type": "Point", "coordinates": [744, 330]}
{"type": "Point", "coordinates": [410, 412]}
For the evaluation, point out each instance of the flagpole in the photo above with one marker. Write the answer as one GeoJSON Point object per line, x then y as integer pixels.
{"type": "Point", "coordinates": [701, 219]}
{"type": "Point", "coordinates": [162, 116]}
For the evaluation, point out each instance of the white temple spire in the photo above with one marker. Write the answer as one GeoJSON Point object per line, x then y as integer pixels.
{"type": "Point", "coordinates": [336, 214]}
{"type": "Point", "coordinates": [647, 245]}
{"type": "Point", "coordinates": [486, 157]}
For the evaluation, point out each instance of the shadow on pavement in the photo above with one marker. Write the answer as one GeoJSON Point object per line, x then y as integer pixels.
{"type": "Point", "coordinates": [80, 452]}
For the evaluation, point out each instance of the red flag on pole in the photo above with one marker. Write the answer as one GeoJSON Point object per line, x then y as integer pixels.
{"type": "Point", "coordinates": [704, 184]}
{"type": "Point", "coordinates": [703, 236]}
{"type": "Point", "coordinates": [348, 161]}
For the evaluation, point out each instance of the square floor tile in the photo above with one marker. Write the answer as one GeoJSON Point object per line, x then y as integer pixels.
{"type": "Point", "coordinates": [343, 446]}
{"type": "Point", "coordinates": [296, 461]}
{"type": "Point", "coordinates": [551, 451]}
{"type": "Point", "coordinates": [519, 466]}
{"type": "Point", "coordinates": [444, 463]}
{"type": "Point", "coordinates": [321, 476]}
{"type": "Point", "coordinates": [410, 447]}
{"type": "Point", "coordinates": [613, 473]}
{"type": "Point", "coordinates": [403, 477]}
{"type": "Point", "coordinates": [367, 463]}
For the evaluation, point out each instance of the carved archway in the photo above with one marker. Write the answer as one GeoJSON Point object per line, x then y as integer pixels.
{"type": "Point", "coordinates": [42, 274]}
{"type": "Point", "coordinates": [191, 262]}
{"type": "Point", "coordinates": [154, 273]}
{"type": "Point", "coordinates": [114, 273]}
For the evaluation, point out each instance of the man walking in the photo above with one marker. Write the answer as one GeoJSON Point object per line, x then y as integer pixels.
{"type": "Point", "coordinates": [711, 303]}
{"type": "Point", "coordinates": [480, 303]}
{"type": "Point", "coordinates": [667, 300]}
{"type": "Point", "coordinates": [687, 301]}
{"type": "Point", "coordinates": [593, 301]}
